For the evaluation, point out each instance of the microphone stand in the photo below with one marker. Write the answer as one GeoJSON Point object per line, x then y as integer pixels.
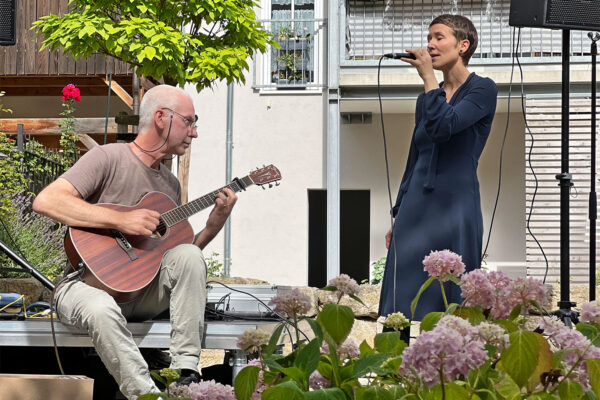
{"type": "Point", "coordinates": [593, 204]}
{"type": "Point", "coordinates": [26, 266]}
{"type": "Point", "coordinates": [565, 305]}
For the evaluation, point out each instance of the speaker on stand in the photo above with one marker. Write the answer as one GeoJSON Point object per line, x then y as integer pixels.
{"type": "Point", "coordinates": [8, 23]}
{"type": "Point", "coordinates": [565, 15]}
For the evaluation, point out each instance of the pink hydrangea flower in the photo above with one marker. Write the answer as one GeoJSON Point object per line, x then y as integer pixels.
{"type": "Point", "coordinates": [294, 303]}
{"type": "Point", "coordinates": [439, 264]}
{"type": "Point", "coordinates": [452, 347]}
{"type": "Point", "coordinates": [252, 340]}
{"type": "Point", "coordinates": [563, 338]}
{"type": "Point", "coordinates": [211, 390]}
{"type": "Point", "coordinates": [345, 285]}
{"type": "Point", "coordinates": [347, 350]}
{"type": "Point", "coordinates": [317, 381]}
{"type": "Point", "coordinates": [590, 312]}
{"type": "Point", "coordinates": [496, 292]}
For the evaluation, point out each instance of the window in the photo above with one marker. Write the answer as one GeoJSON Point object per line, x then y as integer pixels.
{"type": "Point", "coordinates": [293, 23]}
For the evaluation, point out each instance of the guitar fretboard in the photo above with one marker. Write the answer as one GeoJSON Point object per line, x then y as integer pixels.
{"type": "Point", "coordinates": [184, 211]}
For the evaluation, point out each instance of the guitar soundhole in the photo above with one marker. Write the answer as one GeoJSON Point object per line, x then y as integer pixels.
{"type": "Point", "coordinates": [161, 229]}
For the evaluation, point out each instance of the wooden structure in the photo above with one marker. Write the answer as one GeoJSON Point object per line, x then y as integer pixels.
{"type": "Point", "coordinates": [24, 58]}
{"type": "Point", "coordinates": [27, 71]}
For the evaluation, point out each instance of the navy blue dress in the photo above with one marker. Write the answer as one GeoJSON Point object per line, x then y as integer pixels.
{"type": "Point", "coordinates": [438, 205]}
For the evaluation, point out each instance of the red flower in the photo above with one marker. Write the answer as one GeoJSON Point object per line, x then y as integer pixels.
{"type": "Point", "coordinates": [71, 92]}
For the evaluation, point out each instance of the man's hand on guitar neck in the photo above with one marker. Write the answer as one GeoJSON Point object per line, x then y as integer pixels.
{"type": "Point", "coordinates": [224, 203]}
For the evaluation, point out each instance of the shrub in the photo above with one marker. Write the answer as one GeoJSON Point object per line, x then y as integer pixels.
{"type": "Point", "coordinates": [38, 239]}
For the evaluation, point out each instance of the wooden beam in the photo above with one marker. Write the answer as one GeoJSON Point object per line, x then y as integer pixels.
{"type": "Point", "coordinates": [119, 91]}
{"type": "Point", "coordinates": [49, 126]}
{"type": "Point", "coordinates": [183, 174]}
{"type": "Point", "coordinates": [40, 85]}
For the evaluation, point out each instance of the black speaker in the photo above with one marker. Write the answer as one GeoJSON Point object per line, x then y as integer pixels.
{"type": "Point", "coordinates": [8, 16]}
{"type": "Point", "coordinates": [556, 14]}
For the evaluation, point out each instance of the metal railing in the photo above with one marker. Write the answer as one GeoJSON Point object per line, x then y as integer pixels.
{"type": "Point", "coordinates": [39, 164]}
{"type": "Point", "coordinates": [297, 62]}
{"type": "Point", "coordinates": [377, 27]}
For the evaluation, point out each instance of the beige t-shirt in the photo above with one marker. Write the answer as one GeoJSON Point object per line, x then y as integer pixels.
{"type": "Point", "coordinates": [114, 174]}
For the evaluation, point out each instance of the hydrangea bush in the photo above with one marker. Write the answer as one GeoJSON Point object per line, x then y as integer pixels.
{"type": "Point", "coordinates": [498, 344]}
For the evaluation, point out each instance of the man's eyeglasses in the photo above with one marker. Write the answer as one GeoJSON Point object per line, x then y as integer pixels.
{"type": "Point", "coordinates": [187, 121]}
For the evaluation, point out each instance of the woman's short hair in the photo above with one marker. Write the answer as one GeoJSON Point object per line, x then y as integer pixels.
{"type": "Point", "coordinates": [463, 29]}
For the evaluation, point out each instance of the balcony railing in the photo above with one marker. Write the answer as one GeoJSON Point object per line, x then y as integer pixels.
{"type": "Point", "coordinates": [298, 61]}
{"type": "Point", "coordinates": [376, 27]}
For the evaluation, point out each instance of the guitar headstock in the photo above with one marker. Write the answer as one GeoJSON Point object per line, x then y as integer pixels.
{"type": "Point", "coordinates": [264, 175]}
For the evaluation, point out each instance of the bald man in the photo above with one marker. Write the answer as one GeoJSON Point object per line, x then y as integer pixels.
{"type": "Point", "coordinates": [122, 173]}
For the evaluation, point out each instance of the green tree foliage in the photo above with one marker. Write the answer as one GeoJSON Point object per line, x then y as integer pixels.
{"type": "Point", "coordinates": [216, 40]}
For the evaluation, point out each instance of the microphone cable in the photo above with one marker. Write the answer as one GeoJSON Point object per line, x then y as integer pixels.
{"type": "Point", "coordinates": [529, 153]}
{"type": "Point", "coordinates": [512, 69]}
{"type": "Point", "coordinates": [392, 245]}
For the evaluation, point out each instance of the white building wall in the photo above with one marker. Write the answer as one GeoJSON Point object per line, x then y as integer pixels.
{"type": "Point", "coordinates": [269, 229]}
{"type": "Point", "coordinates": [363, 167]}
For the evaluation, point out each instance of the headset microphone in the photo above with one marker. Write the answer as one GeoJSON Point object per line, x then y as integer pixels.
{"type": "Point", "coordinates": [398, 56]}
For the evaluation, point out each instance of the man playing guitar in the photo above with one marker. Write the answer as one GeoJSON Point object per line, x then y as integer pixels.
{"type": "Point", "coordinates": [123, 174]}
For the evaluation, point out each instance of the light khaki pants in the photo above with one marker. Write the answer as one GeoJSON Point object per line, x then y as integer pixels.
{"type": "Point", "coordinates": [179, 287]}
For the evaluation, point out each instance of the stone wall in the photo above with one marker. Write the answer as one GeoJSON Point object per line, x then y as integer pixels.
{"type": "Point", "coordinates": [365, 327]}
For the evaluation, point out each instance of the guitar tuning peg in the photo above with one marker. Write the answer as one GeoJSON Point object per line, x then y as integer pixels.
{"type": "Point", "coordinates": [270, 185]}
{"type": "Point", "coordinates": [263, 187]}
{"type": "Point", "coordinates": [264, 165]}
{"type": "Point", "coordinates": [277, 183]}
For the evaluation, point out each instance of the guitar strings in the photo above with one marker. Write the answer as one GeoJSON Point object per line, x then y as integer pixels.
{"type": "Point", "coordinates": [165, 218]}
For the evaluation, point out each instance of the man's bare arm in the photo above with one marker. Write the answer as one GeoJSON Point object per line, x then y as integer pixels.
{"type": "Point", "coordinates": [223, 206]}
{"type": "Point", "coordinates": [62, 202]}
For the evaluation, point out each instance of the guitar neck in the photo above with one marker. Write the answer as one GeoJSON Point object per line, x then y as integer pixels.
{"type": "Point", "coordinates": [184, 211]}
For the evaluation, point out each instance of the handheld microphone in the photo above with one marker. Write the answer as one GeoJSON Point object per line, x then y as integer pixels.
{"type": "Point", "coordinates": [397, 56]}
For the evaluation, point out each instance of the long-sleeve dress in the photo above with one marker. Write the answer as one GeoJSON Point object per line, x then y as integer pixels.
{"type": "Point", "coordinates": [438, 204]}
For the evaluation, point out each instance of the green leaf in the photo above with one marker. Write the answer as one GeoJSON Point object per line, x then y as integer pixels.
{"type": "Point", "coordinates": [570, 390]}
{"type": "Point", "coordinates": [430, 320]}
{"type": "Point", "coordinates": [150, 52]}
{"type": "Point", "coordinates": [364, 365]}
{"type": "Point", "coordinates": [589, 331]}
{"type": "Point", "coordinates": [387, 342]}
{"type": "Point", "coordinates": [508, 389]}
{"type": "Point", "coordinates": [510, 327]}
{"type": "Point", "coordinates": [515, 312]}
{"type": "Point", "coordinates": [520, 359]}
{"type": "Point", "coordinates": [337, 320]}
{"type": "Point", "coordinates": [272, 345]}
{"type": "Point", "coordinates": [593, 367]}
{"type": "Point", "coordinates": [544, 362]}
{"type": "Point", "coordinates": [452, 391]}
{"type": "Point", "coordinates": [376, 393]}
{"type": "Point", "coordinates": [296, 374]}
{"type": "Point", "coordinates": [245, 382]}
{"type": "Point", "coordinates": [288, 390]}
{"type": "Point", "coordinates": [397, 391]}
{"type": "Point", "coordinates": [316, 328]}
{"type": "Point", "coordinates": [326, 370]}
{"type": "Point", "coordinates": [365, 349]}
{"type": "Point", "coordinates": [308, 357]}
{"type": "Point", "coordinates": [472, 314]}
{"type": "Point", "coordinates": [413, 304]}
{"type": "Point", "coordinates": [329, 288]}
{"type": "Point", "coordinates": [325, 394]}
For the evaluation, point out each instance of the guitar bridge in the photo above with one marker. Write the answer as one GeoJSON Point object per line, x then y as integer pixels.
{"type": "Point", "coordinates": [124, 244]}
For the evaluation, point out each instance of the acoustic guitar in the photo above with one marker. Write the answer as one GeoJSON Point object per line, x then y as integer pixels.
{"type": "Point", "coordinates": [124, 265]}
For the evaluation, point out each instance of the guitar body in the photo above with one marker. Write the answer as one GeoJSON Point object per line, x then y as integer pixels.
{"type": "Point", "coordinates": [109, 265]}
